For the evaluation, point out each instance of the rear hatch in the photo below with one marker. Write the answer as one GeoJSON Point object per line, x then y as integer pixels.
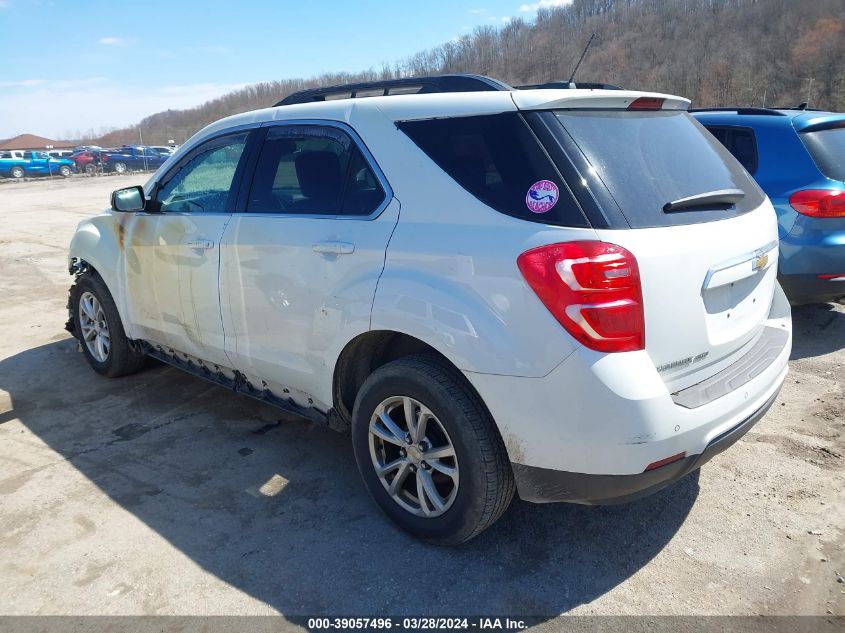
{"type": "Point", "coordinates": [823, 134]}
{"type": "Point", "coordinates": [704, 235]}
{"type": "Point", "coordinates": [818, 233]}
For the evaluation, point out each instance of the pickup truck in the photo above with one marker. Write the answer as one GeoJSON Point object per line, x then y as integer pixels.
{"type": "Point", "coordinates": [34, 164]}
{"type": "Point", "coordinates": [132, 157]}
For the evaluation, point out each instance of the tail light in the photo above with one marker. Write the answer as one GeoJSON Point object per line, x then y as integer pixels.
{"type": "Point", "coordinates": [646, 103]}
{"type": "Point", "coordinates": [819, 203]}
{"type": "Point", "coordinates": [592, 289]}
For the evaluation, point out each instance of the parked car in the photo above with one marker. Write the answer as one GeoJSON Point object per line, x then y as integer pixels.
{"type": "Point", "coordinates": [562, 308]}
{"type": "Point", "coordinates": [34, 164]}
{"type": "Point", "coordinates": [85, 160]}
{"type": "Point", "coordinates": [60, 153]}
{"type": "Point", "coordinates": [132, 158]}
{"type": "Point", "coordinates": [798, 157]}
{"type": "Point", "coordinates": [164, 150]}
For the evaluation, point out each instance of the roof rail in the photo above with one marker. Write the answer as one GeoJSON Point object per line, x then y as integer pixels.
{"type": "Point", "coordinates": [740, 110]}
{"type": "Point", "coordinates": [568, 85]}
{"type": "Point", "coordinates": [408, 85]}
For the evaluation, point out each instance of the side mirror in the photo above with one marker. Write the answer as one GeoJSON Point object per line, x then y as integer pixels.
{"type": "Point", "coordinates": [128, 199]}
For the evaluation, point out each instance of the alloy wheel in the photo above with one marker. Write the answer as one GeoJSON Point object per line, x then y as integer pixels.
{"type": "Point", "coordinates": [413, 456]}
{"type": "Point", "coordinates": [94, 328]}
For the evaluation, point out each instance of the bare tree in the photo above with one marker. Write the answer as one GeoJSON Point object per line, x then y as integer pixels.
{"type": "Point", "coordinates": [716, 52]}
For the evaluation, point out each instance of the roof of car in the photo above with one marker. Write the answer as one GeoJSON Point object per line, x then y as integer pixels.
{"type": "Point", "coordinates": [408, 107]}
{"type": "Point", "coordinates": [451, 104]}
{"type": "Point", "coordinates": [800, 119]}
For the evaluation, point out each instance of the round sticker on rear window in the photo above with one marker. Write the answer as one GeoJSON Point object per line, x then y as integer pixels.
{"type": "Point", "coordinates": [542, 196]}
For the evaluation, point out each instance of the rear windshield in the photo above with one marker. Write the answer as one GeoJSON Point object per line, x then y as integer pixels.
{"type": "Point", "coordinates": [647, 159]}
{"type": "Point", "coordinates": [827, 147]}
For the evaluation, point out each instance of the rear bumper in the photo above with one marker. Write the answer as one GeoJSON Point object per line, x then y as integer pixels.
{"type": "Point", "coordinates": [810, 289]}
{"type": "Point", "coordinates": [598, 420]}
{"type": "Point", "coordinates": [812, 247]}
{"type": "Point", "coordinates": [542, 485]}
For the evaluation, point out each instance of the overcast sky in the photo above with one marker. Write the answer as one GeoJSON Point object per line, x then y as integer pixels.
{"type": "Point", "coordinates": [69, 66]}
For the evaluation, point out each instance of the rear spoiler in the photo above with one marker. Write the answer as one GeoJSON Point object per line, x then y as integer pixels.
{"type": "Point", "coordinates": [818, 126]}
{"type": "Point", "coordinates": [596, 100]}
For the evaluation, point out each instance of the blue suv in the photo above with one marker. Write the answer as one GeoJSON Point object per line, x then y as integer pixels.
{"type": "Point", "coordinates": [798, 157]}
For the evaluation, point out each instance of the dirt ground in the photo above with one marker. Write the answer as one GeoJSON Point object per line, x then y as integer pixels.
{"type": "Point", "coordinates": [162, 494]}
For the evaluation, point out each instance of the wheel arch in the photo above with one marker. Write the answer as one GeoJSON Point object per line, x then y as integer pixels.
{"type": "Point", "coordinates": [367, 352]}
{"type": "Point", "coordinates": [97, 246]}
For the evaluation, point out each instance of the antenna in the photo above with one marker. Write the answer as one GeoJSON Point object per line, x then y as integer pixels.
{"type": "Point", "coordinates": [586, 48]}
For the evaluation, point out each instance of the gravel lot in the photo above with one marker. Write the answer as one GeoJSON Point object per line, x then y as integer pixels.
{"type": "Point", "coordinates": [162, 494]}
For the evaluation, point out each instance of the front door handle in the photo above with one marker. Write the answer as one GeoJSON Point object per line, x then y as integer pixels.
{"type": "Point", "coordinates": [334, 248]}
{"type": "Point", "coordinates": [201, 244]}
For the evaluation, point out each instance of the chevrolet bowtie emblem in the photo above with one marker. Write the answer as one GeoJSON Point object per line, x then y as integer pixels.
{"type": "Point", "coordinates": [759, 262]}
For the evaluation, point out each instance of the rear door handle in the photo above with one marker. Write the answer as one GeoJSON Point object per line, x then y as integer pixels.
{"type": "Point", "coordinates": [200, 244]}
{"type": "Point", "coordinates": [334, 248]}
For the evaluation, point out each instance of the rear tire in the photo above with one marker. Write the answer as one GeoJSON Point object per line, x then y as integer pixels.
{"type": "Point", "coordinates": [100, 331]}
{"type": "Point", "coordinates": [120, 167]}
{"type": "Point", "coordinates": [466, 484]}
{"type": "Point", "coordinates": [17, 173]}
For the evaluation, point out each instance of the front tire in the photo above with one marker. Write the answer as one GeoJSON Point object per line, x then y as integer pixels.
{"type": "Point", "coordinates": [429, 452]}
{"type": "Point", "coordinates": [100, 332]}
{"type": "Point", "coordinates": [64, 171]}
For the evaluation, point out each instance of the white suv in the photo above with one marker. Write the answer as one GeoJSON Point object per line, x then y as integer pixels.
{"type": "Point", "coordinates": [569, 294]}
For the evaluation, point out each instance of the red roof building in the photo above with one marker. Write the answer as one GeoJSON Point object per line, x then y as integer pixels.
{"type": "Point", "coordinates": [31, 141]}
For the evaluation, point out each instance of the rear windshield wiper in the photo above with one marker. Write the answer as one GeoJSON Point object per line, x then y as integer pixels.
{"type": "Point", "coordinates": [707, 199]}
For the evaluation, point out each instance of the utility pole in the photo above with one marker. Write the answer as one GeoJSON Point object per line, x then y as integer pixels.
{"type": "Point", "coordinates": [141, 142]}
{"type": "Point", "coordinates": [809, 89]}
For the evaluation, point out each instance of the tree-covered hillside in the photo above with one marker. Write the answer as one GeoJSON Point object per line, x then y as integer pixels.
{"type": "Point", "coordinates": [715, 52]}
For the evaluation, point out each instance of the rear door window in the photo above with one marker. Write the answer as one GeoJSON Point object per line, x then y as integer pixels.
{"type": "Point", "coordinates": [827, 147]}
{"type": "Point", "coordinates": [739, 141]}
{"type": "Point", "coordinates": [498, 159]}
{"type": "Point", "coordinates": [647, 159]}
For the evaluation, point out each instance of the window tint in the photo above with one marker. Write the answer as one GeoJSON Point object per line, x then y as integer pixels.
{"type": "Point", "coordinates": [363, 191]}
{"type": "Point", "coordinates": [498, 160]}
{"type": "Point", "coordinates": [721, 134]}
{"type": "Point", "coordinates": [307, 169]}
{"type": "Point", "coordinates": [740, 142]}
{"type": "Point", "coordinates": [649, 158]}
{"type": "Point", "coordinates": [827, 147]}
{"type": "Point", "coordinates": [203, 183]}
